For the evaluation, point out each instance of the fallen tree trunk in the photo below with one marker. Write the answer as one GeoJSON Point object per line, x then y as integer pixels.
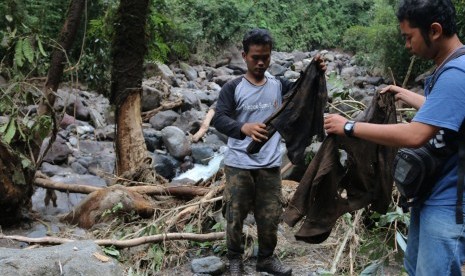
{"type": "Point", "coordinates": [125, 243]}
{"type": "Point", "coordinates": [179, 191]}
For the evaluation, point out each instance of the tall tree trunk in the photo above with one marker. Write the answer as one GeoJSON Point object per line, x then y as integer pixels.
{"type": "Point", "coordinates": [128, 50]}
{"type": "Point", "coordinates": [66, 40]}
{"type": "Point", "coordinates": [16, 176]}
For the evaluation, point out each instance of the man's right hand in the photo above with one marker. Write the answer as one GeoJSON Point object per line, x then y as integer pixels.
{"type": "Point", "coordinates": [257, 131]}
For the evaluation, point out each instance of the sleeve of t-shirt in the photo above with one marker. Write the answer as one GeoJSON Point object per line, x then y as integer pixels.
{"type": "Point", "coordinates": [225, 109]}
{"type": "Point", "coordinates": [445, 105]}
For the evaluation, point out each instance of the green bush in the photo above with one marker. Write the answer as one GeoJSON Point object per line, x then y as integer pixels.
{"type": "Point", "coordinates": [379, 44]}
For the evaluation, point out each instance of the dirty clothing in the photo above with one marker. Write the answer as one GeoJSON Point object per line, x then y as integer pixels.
{"type": "Point", "coordinates": [301, 115]}
{"type": "Point", "coordinates": [329, 188]}
{"type": "Point", "coordinates": [259, 191]}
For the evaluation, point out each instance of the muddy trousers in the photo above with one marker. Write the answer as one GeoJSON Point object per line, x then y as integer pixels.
{"type": "Point", "coordinates": [257, 190]}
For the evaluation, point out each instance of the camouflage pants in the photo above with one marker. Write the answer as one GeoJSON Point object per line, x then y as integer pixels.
{"type": "Point", "coordinates": [259, 191]}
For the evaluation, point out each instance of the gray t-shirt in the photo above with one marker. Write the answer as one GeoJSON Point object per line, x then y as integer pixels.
{"type": "Point", "coordinates": [243, 102]}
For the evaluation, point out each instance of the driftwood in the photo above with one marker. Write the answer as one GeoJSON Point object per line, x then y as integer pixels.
{"type": "Point", "coordinates": [179, 191]}
{"type": "Point", "coordinates": [205, 125]}
{"type": "Point", "coordinates": [125, 243]}
{"type": "Point", "coordinates": [164, 106]}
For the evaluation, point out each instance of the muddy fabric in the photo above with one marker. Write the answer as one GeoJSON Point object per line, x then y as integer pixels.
{"type": "Point", "coordinates": [329, 189]}
{"type": "Point", "coordinates": [252, 190]}
{"type": "Point", "coordinates": [301, 114]}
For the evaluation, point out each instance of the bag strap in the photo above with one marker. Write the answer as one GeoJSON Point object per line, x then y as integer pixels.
{"type": "Point", "coordinates": [460, 176]}
{"type": "Point", "coordinates": [459, 52]}
{"type": "Point", "coordinates": [461, 166]}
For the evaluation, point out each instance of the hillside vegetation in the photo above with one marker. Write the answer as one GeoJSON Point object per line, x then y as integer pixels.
{"type": "Point", "coordinates": [197, 31]}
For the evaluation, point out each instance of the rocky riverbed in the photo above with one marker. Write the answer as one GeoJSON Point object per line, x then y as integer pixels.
{"type": "Point", "coordinates": [83, 153]}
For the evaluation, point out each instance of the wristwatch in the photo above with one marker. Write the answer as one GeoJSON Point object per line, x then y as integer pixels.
{"type": "Point", "coordinates": [349, 128]}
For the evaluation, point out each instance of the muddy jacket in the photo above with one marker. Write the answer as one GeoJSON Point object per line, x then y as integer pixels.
{"type": "Point", "coordinates": [329, 189]}
{"type": "Point", "coordinates": [301, 115]}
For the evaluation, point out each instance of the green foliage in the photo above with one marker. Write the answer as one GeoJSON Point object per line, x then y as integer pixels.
{"type": "Point", "coordinates": [96, 57]}
{"type": "Point", "coordinates": [460, 10]}
{"type": "Point", "coordinates": [27, 26]}
{"type": "Point", "coordinates": [114, 210]}
{"type": "Point", "coordinates": [379, 43]}
{"type": "Point", "coordinates": [111, 251]}
{"type": "Point", "coordinates": [22, 128]}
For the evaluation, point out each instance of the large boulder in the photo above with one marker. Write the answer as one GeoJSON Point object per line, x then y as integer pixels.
{"type": "Point", "coordinates": [71, 259]}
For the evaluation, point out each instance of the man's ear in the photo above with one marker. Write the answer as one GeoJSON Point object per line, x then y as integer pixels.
{"type": "Point", "coordinates": [435, 30]}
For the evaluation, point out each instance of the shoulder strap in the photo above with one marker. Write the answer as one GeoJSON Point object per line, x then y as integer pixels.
{"type": "Point", "coordinates": [459, 52]}
{"type": "Point", "coordinates": [460, 176]}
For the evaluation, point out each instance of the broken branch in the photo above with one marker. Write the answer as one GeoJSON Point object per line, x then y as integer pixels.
{"type": "Point", "coordinates": [164, 106]}
{"type": "Point", "coordinates": [181, 191]}
{"type": "Point", "coordinates": [126, 243]}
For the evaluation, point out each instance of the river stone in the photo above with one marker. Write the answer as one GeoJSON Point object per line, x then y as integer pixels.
{"type": "Point", "coordinates": [163, 119]}
{"type": "Point", "coordinates": [71, 259]}
{"type": "Point", "coordinates": [176, 142]}
{"type": "Point", "coordinates": [209, 265]}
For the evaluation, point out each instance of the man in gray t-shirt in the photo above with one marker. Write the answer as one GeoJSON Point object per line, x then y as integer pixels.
{"type": "Point", "coordinates": [253, 181]}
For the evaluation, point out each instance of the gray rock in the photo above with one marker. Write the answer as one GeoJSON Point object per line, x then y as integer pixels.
{"type": "Point", "coordinates": [58, 153]}
{"type": "Point", "coordinates": [163, 119]}
{"type": "Point", "coordinates": [51, 170]}
{"type": "Point", "coordinates": [151, 98]}
{"type": "Point", "coordinates": [202, 153]}
{"type": "Point", "coordinates": [221, 80]}
{"type": "Point", "coordinates": [165, 72]}
{"type": "Point", "coordinates": [78, 168]}
{"type": "Point", "coordinates": [105, 133]}
{"type": "Point", "coordinates": [189, 71]}
{"type": "Point", "coordinates": [72, 259]}
{"type": "Point", "coordinates": [277, 70]}
{"type": "Point", "coordinates": [176, 142]}
{"type": "Point", "coordinates": [290, 75]}
{"type": "Point", "coordinates": [190, 120]}
{"type": "Point", "coordinates": [165, 165]}
{"type": "Point", "coordinates": [152, 139]}
{"type": "Point", "coordinates": [209, 265]}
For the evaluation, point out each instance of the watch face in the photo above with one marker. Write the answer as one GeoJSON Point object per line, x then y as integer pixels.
{"type": "Point", "coordinates": [348, 126]}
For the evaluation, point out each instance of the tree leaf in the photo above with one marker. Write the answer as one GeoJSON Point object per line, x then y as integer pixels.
{"type": "Point", "coordinates": [19, 57]}
{"type": "Point", "coordinates": [10, 131]}
{"type": "Point", "coordinates": [28, 51]}
{"type": "Point", "coordinates": [372, 269]}
{"type": "Point", "coordinates": [41, 47]}
{"type": "Point", "coordinates": [401, 241]}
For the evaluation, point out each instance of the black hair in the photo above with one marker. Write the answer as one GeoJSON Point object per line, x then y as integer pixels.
{"type": "Point", "coordinates": [256, 37]}
{"type": "Point", "coordinates": [422, 13]}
